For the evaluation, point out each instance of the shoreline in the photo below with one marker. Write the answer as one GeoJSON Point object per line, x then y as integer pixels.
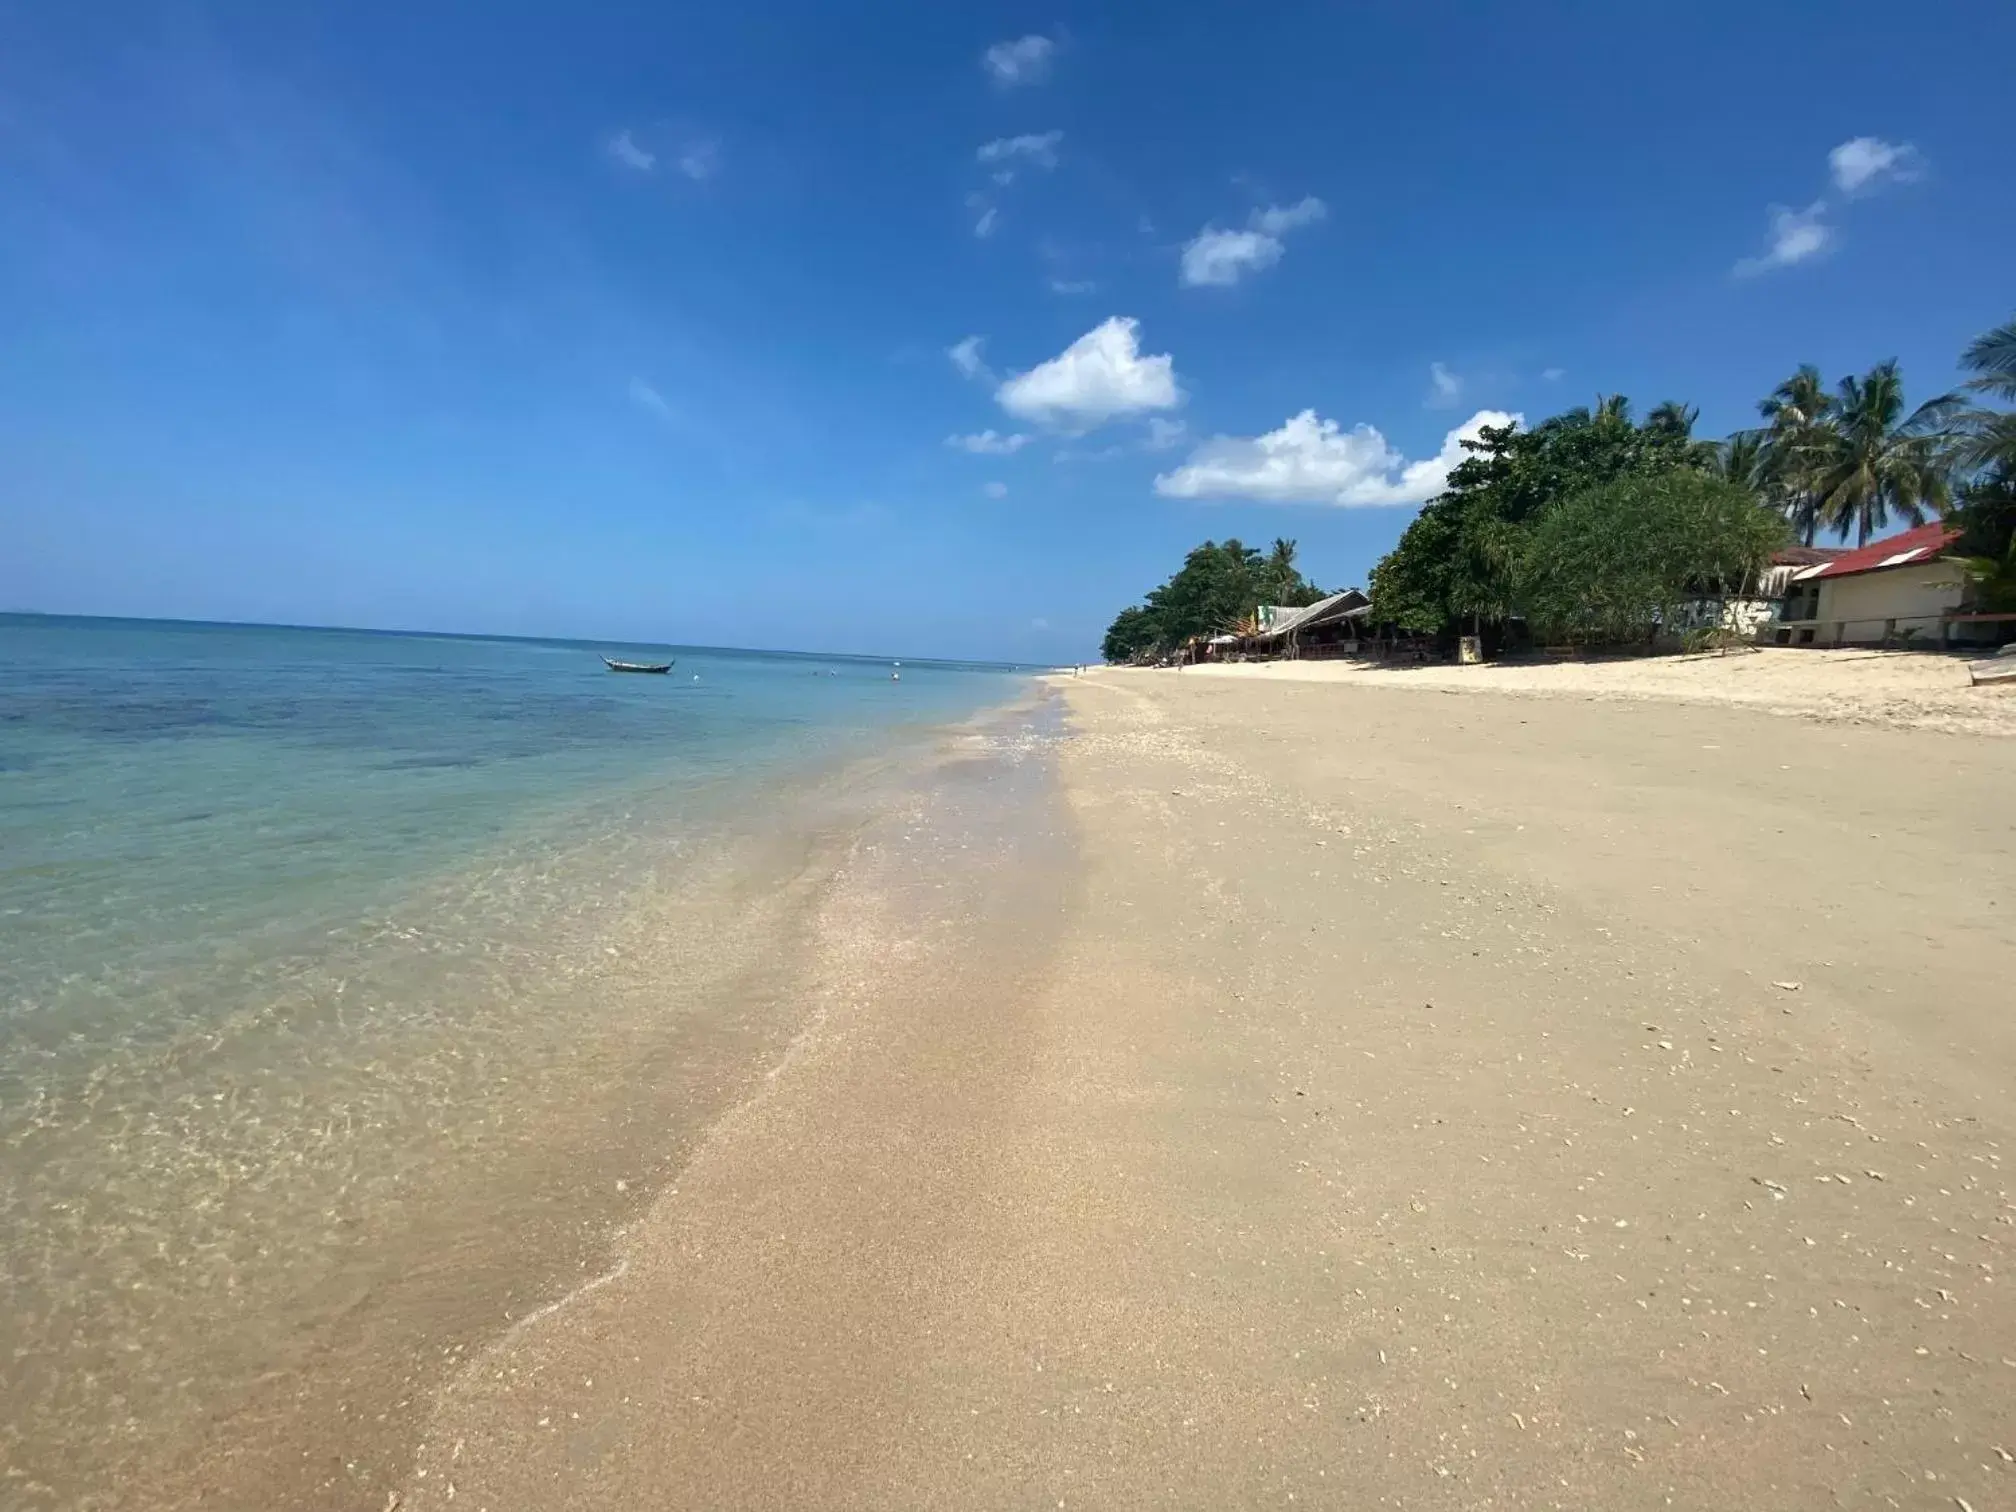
{"type": "Point", "coordinates": [536, 1090]}
{"type": "Point", "coordinates": [941, 916]}
{"type": "Point", "coordinates": [1358, 1097]}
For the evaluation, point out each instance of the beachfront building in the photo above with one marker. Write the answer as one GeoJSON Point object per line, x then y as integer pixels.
{"type": "Point", "coordinates": [1329, 627]}
{"type": "Point", "coordinates": [1903, 590]}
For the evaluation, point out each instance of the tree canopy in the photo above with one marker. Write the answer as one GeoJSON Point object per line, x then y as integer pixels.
{"type": "Point", "coordinates": [1218, 588]}
{"type": "Point", "coordinates": [1459, 561]}
{"type": "Point", "coordinates": [1611, 563]}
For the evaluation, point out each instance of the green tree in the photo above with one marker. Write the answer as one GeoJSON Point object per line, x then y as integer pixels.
{"type": "Point", "coordinates": [1132, 635]}
{"type": "Point", "coordinates": [1456, 564]}
{"type": "Point", "coordinates": [1218, 588]}
{"type": "Point", "coordinates": [1878, 461]}
{"type": "Point", "coordinates": [1986, 520]}
{"type": "Point", "coordinates": [1613, 562]}
{"type": "Point", "coordinates": [1280, 581]}
{"type": "Point", "coordinates": [1673, 418]}
{"type": "Point", "coordinates": [1742, 460]}
{"type": "Point", "coordinates": [1988, 437]}
{"type": "Point", "coordinates": [1799, 430]}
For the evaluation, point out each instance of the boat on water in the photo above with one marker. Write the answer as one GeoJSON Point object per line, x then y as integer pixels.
{"type": "Point", "coordinates": [623, 666]}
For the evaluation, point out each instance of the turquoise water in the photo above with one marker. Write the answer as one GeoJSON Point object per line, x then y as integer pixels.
{"type": "Point", "coordinates": [171, 792]}
{"type": "Point", "coordinates": [316, 944]}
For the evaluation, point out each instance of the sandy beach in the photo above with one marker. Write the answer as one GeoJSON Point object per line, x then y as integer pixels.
{"type": "Point", "coordinates": [1897, 689]}
{"type": "Point", "coordinates": [1308, 1092]}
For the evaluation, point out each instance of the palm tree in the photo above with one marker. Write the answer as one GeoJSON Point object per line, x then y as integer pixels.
{"type": "Point", "coordinates": [1993, 359]}
{"type": "Point", "coordinates": [1742, 460]}
{"type": "Point", "coordinates": [1988, 437]}
{"type": "Point", "coordinates": [1879, 462]}
{"type": "Point", "coordinates": [1281, 581]}
{"type": "Point", "coordinates": [1672, 418]}
{"type": "Point", "coordinates": [1799, 418]}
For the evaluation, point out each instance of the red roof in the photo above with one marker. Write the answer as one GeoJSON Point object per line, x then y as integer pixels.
{"type": "Point", "coordinates": [1806, 556]}
{"type": "Point", "coordinates": [1913, 546]}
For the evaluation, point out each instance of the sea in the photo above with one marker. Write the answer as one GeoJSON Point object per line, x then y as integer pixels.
{"type": "Point", "coordinates": [354, 984]}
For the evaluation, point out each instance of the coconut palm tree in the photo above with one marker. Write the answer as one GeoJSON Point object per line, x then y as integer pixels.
{"type": "Point", "coordinates": [1672, 418]}
{"type": "Point", "coordinates": [1743, 460]}
{"type": "Point", "coordinates": [1878, 461]}
{"type": "Point", "coordinates": [1799, 418]}
{"type": "Point", "coordinates": [1988, 437]}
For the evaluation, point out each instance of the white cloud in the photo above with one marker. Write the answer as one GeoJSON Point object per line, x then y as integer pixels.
{"type": "Point", "coordinates": [984, 227]}
{"type": "Point", "coordinates": [700, 160]}
{"type": "Point", "coordinates": [1036, 148]}
{"type": "Point", "coordinates": [648, 398]}
{"type": "Point", "coordinates": [1039, 624]}
{"type": "Point", "coordinates": [1276, 220]}
{"type": "Point", "coordinates": [1073, 286]}
{"type": "Point", "coordinates": [1223, 257]}
{"type": "Point", "coordinates": [1314, 461]}
{"type": "Point", "coordinates": [1099, 376]}
{"type": "Point", "coordinates": [966, 358]}
{"type": "Point", "coordinates": [1218, 257]}
{"type": "Point", "coordinates": [1553, 375]}
{"type": "Point", "coordinates": [1163, 434]}
{"type": "Point", "coordinates": [1869, 162]}
{"type": "Point", "coordinates": [995, 490]}
{"type": "Point", "coordinates": [1026, 60]}
{"type": "Point", "coordinates": [624, 149]}
{"type": "Point", "coordinates": [1796, 235]}
{"type": "Point", "coordinates": [1445, 388]}
{"type": "Point", "coordinates": [989, 443]}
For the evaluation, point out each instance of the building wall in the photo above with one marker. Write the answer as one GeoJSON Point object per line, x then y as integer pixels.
{"type": "Point", "coordinates": [1744, 616]}
{"type": "Point", "coordinates": [1914, 591]}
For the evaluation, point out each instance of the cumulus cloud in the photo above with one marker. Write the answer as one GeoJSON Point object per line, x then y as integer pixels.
{"type": "Point", "coordinates": [1444, 387]}
{"type": "Point", "coordinates": [1163, 434]}
{"type": "Point", "coordinates": [1073, 286]}
{"type": "Point", "coordinates": [1553, 374]}
{"type": "Point", "coordinates": [1037, 149]}
{"type": "Point", "coordinates": [995, 490]}
{"type": "Point", "coordinates": [1864, 163]}
{"type": "Point", "coordinates": [1026, 60]}
{"type": "Point", "coordinates": [623, 148]}
{"type": "Point", "coordinates": [988, 443]}
{"type": "Point", "coordinates": [1100, 376]}
{"type": "Point", "coordinates": [1217, 257]}
{"type": "Point", "coordinates": [1796, 235]}
{"type": "Point", "coordinates": [1315, 461]}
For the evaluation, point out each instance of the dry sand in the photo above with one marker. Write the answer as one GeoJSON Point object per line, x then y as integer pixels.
{"type": "Point", "coordinates": [1343, 1098]}
{"type": "Point", "coordinates": [1900, 689]}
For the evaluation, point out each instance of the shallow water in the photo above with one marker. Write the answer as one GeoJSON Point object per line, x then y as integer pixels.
{"type": "Point", "coordinates": [330, 964]}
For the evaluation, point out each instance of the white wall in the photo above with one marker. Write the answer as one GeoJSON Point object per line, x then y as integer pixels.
{"type": "Point", "coordinates": [1901, 593]}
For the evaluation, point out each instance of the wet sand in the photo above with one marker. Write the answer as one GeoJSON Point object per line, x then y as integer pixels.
{"type": "Point", "coordinates": [1330, 1095]}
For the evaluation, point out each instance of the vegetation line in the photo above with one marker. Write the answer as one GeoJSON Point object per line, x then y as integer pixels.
{"type": "Point", "coordinates": [1592, 528]}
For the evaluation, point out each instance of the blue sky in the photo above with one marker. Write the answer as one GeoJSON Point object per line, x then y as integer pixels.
{"type": "Point", "coordinates": [912, 328]}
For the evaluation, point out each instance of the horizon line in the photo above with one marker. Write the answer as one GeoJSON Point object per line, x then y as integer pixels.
{"type": "Point", "coordinates": [485, 635]}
